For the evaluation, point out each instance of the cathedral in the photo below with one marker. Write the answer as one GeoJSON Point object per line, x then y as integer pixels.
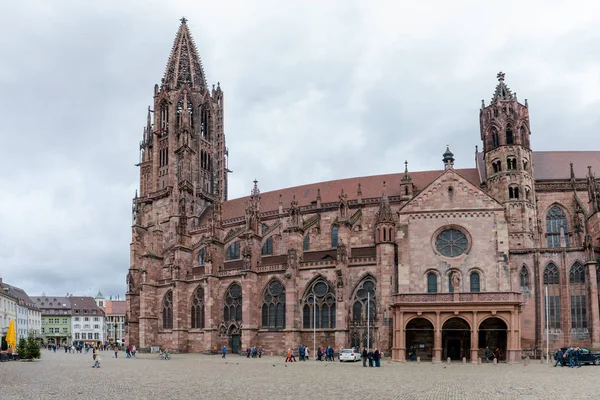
{"type": "Point", "coordinates": [448, 262]}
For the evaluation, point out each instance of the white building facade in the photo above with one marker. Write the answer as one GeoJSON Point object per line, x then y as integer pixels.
{"type": "Point", "coordinates": [88, 325]}
{"type": "Point", "coordinates": [8, 307]}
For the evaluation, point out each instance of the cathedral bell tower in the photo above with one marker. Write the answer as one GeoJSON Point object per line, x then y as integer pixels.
{"type": "Point", "coordinates": [505, 131]}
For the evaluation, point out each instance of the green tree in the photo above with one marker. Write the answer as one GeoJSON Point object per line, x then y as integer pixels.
{"type": "Point", "coordinates": [33, 348]}
{"type": "Point", "coordinates": [22, 348]}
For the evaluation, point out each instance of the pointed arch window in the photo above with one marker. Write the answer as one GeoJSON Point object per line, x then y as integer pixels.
{"type": "Point", "coordinates": [524, 278]}
{"type": "Point", "coordinates": [577, 290]}
{"type": "Point", "coordinates": [233, 251]}
{"type": "Point", "coordinates": [306, 243]}
{"type": "Point", "coordinates": [164, 118]}
{"type": "Point", "coordinates": [509, 135]}
{"type": "Point", "coordinates": [474, 282]}
{"type": "Point", "coordinates": [273, 309]}
{"type": "Point", "coordinates": [267, 248]}
{"type": "Point", "coordinates": [167, 311]}
{"type": "Point", "coordinates": [198, 309]}
{"type": "Point", "coordinates": [513, 192]}
{"type": "Point", "coordinates": [334, 236]}
{"type": "Point", "coordinates": [556, 221]}
{"type": "Point", "coordinates": [179, 112]}
{"type": "Point", "coordinates": [201, 255]}
{"type": "Point", "coordinates": [431, 282]}
{"type": "Point", "coordinates": [495, 141]}
{"type": "Point", "coordinates": [552, 282]}
{"type": "Point", "coordinates": [364, 302]}
{"type": "Point", "coordinates": [190, 110]}
{"type": "Point", "coordinates": [232, 310]}
{"type": "Point", "coordinates": [319, 306]}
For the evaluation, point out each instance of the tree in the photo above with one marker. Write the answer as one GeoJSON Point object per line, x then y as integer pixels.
{"type": "Point", "coordinates": [22, 348]}
{"type": "Point", "coordinates": [28, 348]}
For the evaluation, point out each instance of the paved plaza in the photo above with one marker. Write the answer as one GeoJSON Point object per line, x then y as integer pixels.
{"type": "Point", "coordinates": [191, 376]}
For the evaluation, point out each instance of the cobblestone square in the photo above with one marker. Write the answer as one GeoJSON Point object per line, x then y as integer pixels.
{"type": "Point", "coordinates": [191, 376]}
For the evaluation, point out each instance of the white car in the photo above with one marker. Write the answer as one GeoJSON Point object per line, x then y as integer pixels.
{"type": "Point", "coordinates": [349, 355]}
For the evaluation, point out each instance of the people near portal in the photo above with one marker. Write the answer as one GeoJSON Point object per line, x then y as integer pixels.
{"type": "Point", "coordinates": [370, 357]}
{"type": "Point", "coordinates": [248, 351]}
{"type": "Point", "coordinates": [558, 356]}
{"type": "Point", "coordinates": [305, 353]}
{"type": "Point", "coordinates": [497, 354]}
{"type": "Point", "coordinates": [377, 357]}
{"type": "Point", "coordinates": [365, 356]}
{"type": "Point", "coordinates": [413, 353]}
{"type": "Point", "coordinates": [487, 354]}
{"type": "Point", "coordinates": [319, 354]}
{"type": "Point", "coordinates": [260, 351]}
{"type": "Point", "coordinates": [300, 353]}
{"type": "Point", "coordinates": [224, 351]}
{"type": "Point", "coordinates": [329, 353]}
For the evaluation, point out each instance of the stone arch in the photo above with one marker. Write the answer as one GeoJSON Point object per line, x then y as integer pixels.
{"type": "Point", "coordinates": [319, 304]}
{"type": "Point", "coordinates": [492, 332]}
{"type": "Point", "coordinates": [361, 304]}
{"type": "Point", "coordinates": [459, 316]}
{"type": "Point", "coordinates": [424, 316]}
{"type": "Point", "coordinates": [197, 308]}
{"type": "Point", "coordinates": [419, 330]}
{"type": "Point", "coordinates": [364, 276]}
{"type": "Point", "coordinates": [312, 281]}
{"type": "Point", "coordinates": [456, 337]}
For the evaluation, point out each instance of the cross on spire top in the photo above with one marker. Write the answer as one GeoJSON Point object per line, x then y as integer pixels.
{"type": "Point", "coordinates": [183, 20]}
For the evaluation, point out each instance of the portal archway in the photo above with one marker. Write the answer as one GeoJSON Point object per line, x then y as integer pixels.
{"type": "Point", "coordinates": [419, 334]}
{"type": "Point", "coordinates": [456, 339]}
{"type": "Point", "coordinates": [493, 334]}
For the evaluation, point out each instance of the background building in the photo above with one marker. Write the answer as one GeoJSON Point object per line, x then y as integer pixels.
{"type": "Point", "coordinates": [26, 312]}
{"type": "Point", "coordinates": [87, 321]}
{"type": "Point", "coordinates": [115, 320]}
{"type": "Point", "coordinates": [449, 261]}
{"type": "Point", "coordinates": [56, 319]}
{"type": "Point", "coordinates": [8, 308]}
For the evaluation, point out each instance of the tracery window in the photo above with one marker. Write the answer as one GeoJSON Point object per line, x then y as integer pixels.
{"type": "Point", "coordinates": [232, 310]}
{"type": "Point", "coordinates": [198, 309]}
{"type": "Point", "coordinates": [513, 192]}
{"type": "Point", "coordinates": [267, 248]}
{"type": "Point", "coordinates": [319, 305]}
{"type": "Point", "coordinates": [273, 309]}
{"type": "Point", "coordinates": [556, 220]}
{"type": "Point", "coordinates": [201, 255]}
{"type": "Point", "coordinates": [334, 236]}
{"type": "Point", "coordinates": [364, 302]}
{"type": "Point", "coordinates": [451, 243]}
{"type": "Point", "coordinates": [495, 141]}
{"type": "Point", "coordinates": [579, 319]}
{"type": "Point", "coordinates": [509, 135]}
{"type": "Point", "coordinates": [552, 282]}
{"type": "Point", "coordinates": [474, 282]}
{"type": "Point", "coordinates": [164, 117]}
{"type": "Point", "coordinates": [233, 251]}
{"type": "Point", "coordinates": [511, 163]}
{"type": "Point", "coordinates": [306, 243]}
{"type": "Point", "coordinates": [167, 310]}
{"type": "Point", "coordinates": [524, 278]}
{"type": "Point", "coordinates": [431, 282]}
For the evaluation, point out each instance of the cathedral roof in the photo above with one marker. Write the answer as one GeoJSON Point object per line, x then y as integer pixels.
{"type": "Point", "coordinates": [184, 66]}
{"type": "Point", "coordinates": [370, 187]}
{"type": "Point", "coordinates": [554, 165]}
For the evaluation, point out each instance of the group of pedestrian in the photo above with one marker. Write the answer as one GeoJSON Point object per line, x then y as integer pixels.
{"type": "Point", "coordinates": [570, 357]}
{"type": "Point", "coordinates": [489, 355]}
{"type": "Point", "coordinates": [250, 352]}
{"type": "Point", "coordinates": [325, 354]}
{"type": "Point", "coordinates": [372, 357]}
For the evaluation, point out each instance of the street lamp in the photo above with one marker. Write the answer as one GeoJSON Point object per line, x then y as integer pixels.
{"type": "Point", "coordinates": [314, 301]}
{"type": "Point", "coordinates": [116, 331]}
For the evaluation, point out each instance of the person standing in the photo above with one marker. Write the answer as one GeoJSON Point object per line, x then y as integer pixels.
{"type": "Point", "coordinates": [370, 357]}
{"type": "Point", "coordinates": [133, 350]}
{"type": "Point", "coordinates": [224, 351]}
{"type": "Point", "coordinates": [487, 354]}
{"type": "Point", "coordinates": [497, 354]}
{"type": "Point", "coordinates": [577, 359]}
{"type": "Point", "coordinates": [116, 350]}
{"type": "Point", "coordinates": [377, 356]}
{"type": "Point", "coordinates": [305, 353]}
{"type": "Point", "coordinates": [364, 356]}
{"type": "Point", "coordinates": [96, 358]}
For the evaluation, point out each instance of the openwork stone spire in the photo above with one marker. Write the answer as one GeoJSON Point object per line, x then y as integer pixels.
{"type": "Point", "coordinates": [184, 66]}
{"type": "Point", "coordinates": [385, 212]}
{"type": "Point", "coordinates": [502, 92]}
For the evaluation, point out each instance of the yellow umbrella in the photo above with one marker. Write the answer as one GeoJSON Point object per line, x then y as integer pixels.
{"type": "Point", "coordinates": [11, 335]}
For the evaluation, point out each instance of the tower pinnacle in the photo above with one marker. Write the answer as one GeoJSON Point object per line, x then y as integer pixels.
{"type": "Point", "coordinates": [184, 66]}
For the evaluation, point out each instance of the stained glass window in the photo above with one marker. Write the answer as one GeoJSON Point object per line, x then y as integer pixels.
{"type": "Point", "coordinates": [319, 306]}
{"type": "Point", "coordinates": [198, 309]}
{"type": "Point", "coordinates": [334, 237]}
{"type": "Point", "coordinates": [552, 280]}
{"type": "Point", "coordinates": [579, 321]}
{"type": "Point", "coordinates": [273, 309]}
{"type": "Point", "coordinates": [168, 310]}
{"type": "Point", "coordinates": [267, 248]}
{"type": "Point", "coordinates": [555, 221]}
{"type": "Point", "coordinates": [233, 251]}
{"type": "Point", "coordinates": [451, 243]}
{"type": "Point", "coordinates": [201, 255]}
{"type": "Point", "coordinates": [306, 243]}
{"type": "Point", "coordinates": [364, 301]}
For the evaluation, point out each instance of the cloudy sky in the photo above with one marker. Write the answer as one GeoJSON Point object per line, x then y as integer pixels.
{"type": "Point", "coordinates": [314, 90]}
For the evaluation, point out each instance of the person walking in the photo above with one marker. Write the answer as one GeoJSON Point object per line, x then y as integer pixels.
{"type": "Point", "coordinates": [289, 356]}
{"type": "Point", "coordinates": [487, 354]}
{"type": "Point", "coordinates": [96, 358]}
{"type": "Point", "coordinates": [364, 357]}
{"type": "Point", "coordinates": [305, 353]}
{"type": "Point", "coordinates": [224, 351]}
{"type": "Point", "coordinates": [133, 350]}
{"type": "Point", "coordinates": [577, 359]}
{"type": "Point", "coordinates": [116, 350]}
{"type": "Point", "coordinates": [558, 356]}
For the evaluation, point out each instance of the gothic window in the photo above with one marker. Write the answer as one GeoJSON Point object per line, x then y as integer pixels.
{"type": "Point", "coordinates": [450, 285]}
{"type": "Point", "coordinates": [513, 192]}
{"type": "Point", "coordinates": [431, 282]}
{"type": "Point", "coordinates": [233, 251]}
{"type": "Point", "coordinates": [495, 141]}
{"type": "Point", "coordinates": [524, 278]}
{"type": "Point", "coordinates": [198, 309]}
{"type": "Point", "coordinates": [524, 137]}
{"type": "Point", "coordinates": [474, 281]}
{"type": "Point", "coordinates": [552, 282]}
{"type": "Point", "coordinates": [267, 248]}
{"type": "Point", "coordinates": [190, 110]}
{"type": "Point", "coordinates": [334, 237]}
{"type": "Point", "coordinates": [201, 255]}
{"type": "Point", "coordinates": [451, 243]}
{"type": "Point", "coordinates": [164, 118]}
{"type": "Point", "coordinates": [364, 301]}
{"type": "Point", "coordinates": [179, 112]}
{"type": "Point", "coordinates": [527, 193]}
{"type": "Point", "coordinates": [264, 228]}
{"type": "Point", "coordinates": [205, 127]}
{"type": "Point", "coordinates": [525, 164]}
{"type": "Point", "coordinates": [306, 243]}
{"type": "Point", "coordinates": [577, 290]}
{"type": "Point", "coordinates": [319, 306]}
{"type": "Point", "coordinates": [556, 220]}
{"type": "Point", "coordinates": [509, 135]}
{"type": "Point", "coordinates": [167, 311]}
{"type": "Point", "coordinates": [232, 310]}
{"type": "Point", "coordinates": [273, 309]}
{"type": "Point", "coordinates": [495, 167]}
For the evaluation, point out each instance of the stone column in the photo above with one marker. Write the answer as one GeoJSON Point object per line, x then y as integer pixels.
{"type": "Point", "coordinates": [212, 315]}
{"type": "Point", "coordinates": [594, 312]}
{"type": "Point", "coordinates": [437, 338]}
{"type": "Point", "coordinates": [402, 337]}
{"type": "Point", "coordinates": [474, 339]}
{"type": "Point", "coordinates": [249, 309]}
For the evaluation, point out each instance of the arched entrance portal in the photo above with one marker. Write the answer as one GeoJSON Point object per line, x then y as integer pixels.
{"type": "Point", "coordinates": [492, 333]}
{"type": "Point", "coordinates": [419, 334]}
{"type": "Point", "coordinates": [456, 339]}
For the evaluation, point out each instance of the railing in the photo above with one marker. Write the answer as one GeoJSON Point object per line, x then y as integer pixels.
{"type": "Point", "coordinates": [458, 297]}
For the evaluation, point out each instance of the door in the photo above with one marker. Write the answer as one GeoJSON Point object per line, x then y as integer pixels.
{"type": "Point", "coordinates": [454, 349]}
{"type": "Point", "coordinates": [235, 343]}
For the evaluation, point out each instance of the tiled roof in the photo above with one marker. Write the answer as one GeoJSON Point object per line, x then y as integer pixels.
{"type": "Point", "coordinates": [18, 293]}
{"type": "Point", "coordinates": [371, 186]}
{"type": "Point", "coordinates": [118, 307]}
{"type": "Point", "coordinates": [51, 302]}
{"type": "Point", "coordinates": [554, 165]}
{"type": "Point", "coordinates": [84, 303]}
